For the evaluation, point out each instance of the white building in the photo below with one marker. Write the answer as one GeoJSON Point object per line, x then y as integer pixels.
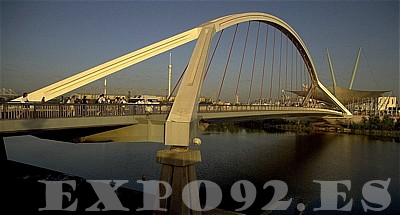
{"type": "Point", "coordinates": [387, 103]}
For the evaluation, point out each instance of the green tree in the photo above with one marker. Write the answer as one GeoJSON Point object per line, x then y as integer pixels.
{"type": "Point", "coordinates": [364, 123]}
{"type": "Point", "coordinates": [374, 123]}
{"type": "Point", "coordinates": [387, 123]}
{"type": "Point", "coordinates": [397, 125]}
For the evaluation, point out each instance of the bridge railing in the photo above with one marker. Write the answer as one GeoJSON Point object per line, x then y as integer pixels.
{"type": "Point", "coordinates": [37, 110]}
{"type": "Point", "coordinates": [239, 108]}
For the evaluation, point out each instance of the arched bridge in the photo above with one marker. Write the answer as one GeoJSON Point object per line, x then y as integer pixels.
{"type": "Point", "coordinates": [182, 118]}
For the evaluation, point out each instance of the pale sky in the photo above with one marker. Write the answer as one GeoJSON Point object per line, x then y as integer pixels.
{"type": "Point", "coordinates": [45, 41]}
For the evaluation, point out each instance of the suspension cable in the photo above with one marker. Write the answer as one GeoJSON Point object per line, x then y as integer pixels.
{"type": "Point", "coordinates": [373, 76]}
{"type": "Point", "coordinates": [179, 80]}
{"type": "Point", "coordinates": [208, 67]}
{"type": "Point", "coordinates": [287, 41]}
{"type": "Point", "coordinates": [301, 74]}
{"type": "Point", "coordinates": [297, 86]}
{"type": "Point", "coordinates": [280, 70]}
{"type": "Point", "coordinates": [241, 64]}
{"type": "Point", "coordinates": [291, 75]}
{"type": "Point", "coordinates": [263, 70]}
{"type": "Point", "coordinates": [309, 78]}
{"type": "Point", "coordinates": [227, 63]}
{"type": "Point", "coordinates": [272, 68]}
{"type": "Point", "coordinates": [305, 76]}
{"type": "Point", "coordinates": [254, 62]}
{"type": "Point", "coordinates": [212, 56]}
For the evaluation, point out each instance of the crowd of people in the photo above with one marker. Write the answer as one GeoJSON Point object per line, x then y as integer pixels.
{"type": "Point", "coordinates": [73, 99]}
{"type": "Point", "coordinates": [69, 107]}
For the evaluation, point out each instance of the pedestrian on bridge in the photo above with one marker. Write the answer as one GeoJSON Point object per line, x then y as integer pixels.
{"type": "Point", "coordinates": [71, 107]}
{"type": "Point", "coordinates": [84, 102]}
{"type": "Point", "coordinates": [25, 108]}
{"type": "Point", "coordinates": [101, 100]}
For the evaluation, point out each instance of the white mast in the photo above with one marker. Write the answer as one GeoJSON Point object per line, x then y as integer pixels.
{"type": "Point", "coordinates": [332, 71]}
{"type": "Point", "coordinates": [105, 87]}
{"type": "Point", "coordinates": [354, 69]}
{"type": "Point", "coordinates": [169, 74]}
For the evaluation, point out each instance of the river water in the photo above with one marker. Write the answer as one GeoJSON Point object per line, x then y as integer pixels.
{"type": "Point", "coordinates": [233, 154]}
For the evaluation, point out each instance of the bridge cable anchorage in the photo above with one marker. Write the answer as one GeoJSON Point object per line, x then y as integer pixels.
{"type": "Point", "coordinates": [264, 63]}
{"type": "Point", "coordinates": [212, 56]}
{"type": "Point", "coordinates": [241, 64]}
{"type": "Point", "coordinates": [254, 62]}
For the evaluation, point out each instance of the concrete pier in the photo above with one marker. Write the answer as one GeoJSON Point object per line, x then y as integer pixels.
{"type": "Point", "coordinates": [178, 169]}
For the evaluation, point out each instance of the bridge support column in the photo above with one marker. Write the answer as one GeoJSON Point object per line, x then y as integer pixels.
{"type": "Point", "coordinates": [178, 169]}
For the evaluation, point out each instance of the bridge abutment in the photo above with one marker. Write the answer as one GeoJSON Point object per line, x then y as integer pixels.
{"type": "Point", "coordinates": [178, 169]}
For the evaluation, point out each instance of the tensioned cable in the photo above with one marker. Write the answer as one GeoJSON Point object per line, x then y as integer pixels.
{"type": "Point", "coordinates": [179, 80]}
{"type": "Point", "coordinates": [212, 56]}
{"type": "Point", "coordinates": [241, 64]}
{"type": "Point", "coordinates": [373, 76]}
{"type": "Point", "coordinates": [292, 71]}
{"type": "Point", "coordinates": [309, 78]}
{"type": "Point", "coordinates": [287, 41]}
{"type": "Point", "coordinates": [297, 86]}
{"type": "Point", "coordinates": [272, 68]}
{"type": "Point", "coordinates": [227, 62]}
{"type": "Point", "coordinates": [280, 69]}
{"type": "Point", "coordinates": [305, 75]}
{"type": "Point", "coordinates": [263, 70]}
{"type": "Point", "coordinates": [254, 62]}
{"type": "Point", "coordinates": [301, 75]}
{"type": "Point", "coordinates": [208, 67]}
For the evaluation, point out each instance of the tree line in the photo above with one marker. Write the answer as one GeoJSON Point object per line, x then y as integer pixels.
{"type": "Point", "coordinates": [376, 123]}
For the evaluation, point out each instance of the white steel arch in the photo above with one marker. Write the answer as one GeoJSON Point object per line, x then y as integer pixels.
{"type": "Point", "coordinates": [184, 111]}
{"type": "Point", "coordinates": [181, 124]}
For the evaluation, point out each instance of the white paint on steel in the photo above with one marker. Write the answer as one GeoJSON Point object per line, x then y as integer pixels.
{"type": "Point", "coordinates": [181, 123]}
{"type": "Point", "coordinates": [110, 67]}
{"type": "Point", "coordinates": [181, 120]}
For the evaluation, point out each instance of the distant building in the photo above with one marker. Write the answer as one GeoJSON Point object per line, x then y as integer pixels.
{"type": "Point", "coordinates": [7, 94]}
{"type": "Point", "coordinates": [387, 103]}
{"type": "Point", "coordinates": [206, 100]}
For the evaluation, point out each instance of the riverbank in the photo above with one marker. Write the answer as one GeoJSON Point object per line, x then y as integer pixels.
{"type": "Point", "coordinates": [339, 129]}
{"type": "Point", "coordinates": [370, 127]}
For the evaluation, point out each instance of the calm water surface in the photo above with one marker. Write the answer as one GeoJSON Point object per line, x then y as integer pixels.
{"type": "Point", "coordinates": [230, 155]}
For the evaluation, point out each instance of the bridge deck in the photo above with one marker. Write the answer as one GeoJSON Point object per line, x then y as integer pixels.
{"type": "Point", "coordinates": [19, 118]}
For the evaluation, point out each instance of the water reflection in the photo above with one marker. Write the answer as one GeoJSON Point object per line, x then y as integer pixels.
{"type": "Point", "coordinates": [230, 154]}
{"type": "Point", "coordinates": [298, 159]}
